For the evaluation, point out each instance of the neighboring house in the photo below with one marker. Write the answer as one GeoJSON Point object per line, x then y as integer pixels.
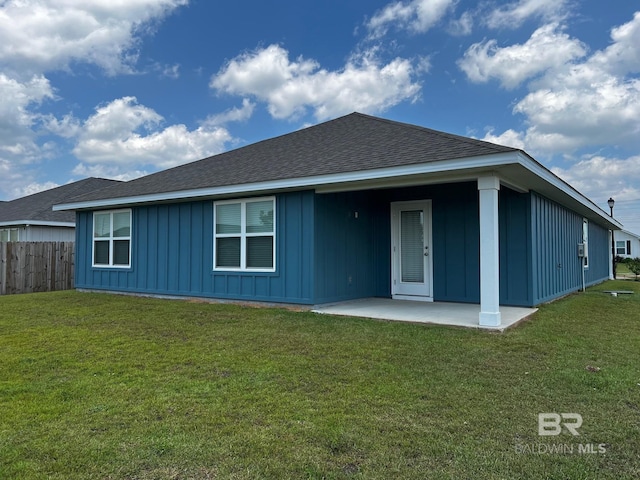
{"type": "Point", "coordinates": [627, 244]}
{"type": "Point", "coordinates": [355, 207]}
{"type": "Point", "coordinates": [31, 218]}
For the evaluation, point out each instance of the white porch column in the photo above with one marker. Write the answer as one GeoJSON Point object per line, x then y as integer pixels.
{"type": "Point", "coordinates": [488, 188]}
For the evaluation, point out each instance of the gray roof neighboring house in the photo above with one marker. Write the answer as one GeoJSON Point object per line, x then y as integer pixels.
{"type": "Point", "coordinates": [352, 152]}
{"type": "Point", "coordinates": [36, 209]}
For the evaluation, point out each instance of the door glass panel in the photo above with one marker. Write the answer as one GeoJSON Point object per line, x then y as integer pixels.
{"type": "Point", "coordinates": [411, 246]}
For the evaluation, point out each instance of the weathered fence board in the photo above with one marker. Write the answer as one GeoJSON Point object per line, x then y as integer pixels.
{"type": "Point", "coordinates": [27, 267]}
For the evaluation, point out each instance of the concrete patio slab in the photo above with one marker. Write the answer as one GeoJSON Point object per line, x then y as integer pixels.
{"type": "Point", "coordinates": [440, 313]}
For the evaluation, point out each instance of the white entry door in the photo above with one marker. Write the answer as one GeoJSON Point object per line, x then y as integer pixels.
{"type": "Point", "coordinates": [411, 264]}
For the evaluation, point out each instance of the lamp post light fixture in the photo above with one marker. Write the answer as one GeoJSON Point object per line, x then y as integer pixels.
{"type": "Point", "coordinates": [611, 202]}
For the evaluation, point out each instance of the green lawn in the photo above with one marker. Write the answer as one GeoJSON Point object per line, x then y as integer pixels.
{"type": "Point", "coordinates": [109, 387]}
{"type": "Point", "coordinates": [623, 272]}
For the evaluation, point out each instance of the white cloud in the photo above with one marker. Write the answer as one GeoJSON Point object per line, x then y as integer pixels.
{"type": "Point", "coordinates": [124, 135]}
{"type": "Point", "coordinates": [590, 103]}
{"type": "Point", "coordinates": [42, 35]}
{"type": "Point", "coordinates": [509, 138]}
{"type": "Point", "coordinates": [113, 172]}
{"type": "Point", "coordinates": [547, 48]}
{"type": "Point", "coordinates": [584, 113]}
{"type": "Point", "coordinates": [599, 178]}
{"type": "Point", "coordinates": [417, 16]}
{"type": "Point", "coordinates": [67, 127]}
{"type": "Point", "coordinates": [11, 179]}
{"type": "Point", "coordinates": [514, 14]}
{"type": "Point", "coordinates": [290, 87]}
{"type": "Point", "coordinates": [38, 36]}
{"type": "Point", "coordinates": [35, 187]}
{"type": "Point", "coordinates": [623, 55]}
{"type": "Point", "coordinates": [234, 114]}
{"type": "Point", "coordinates": [586, 103]}
{"type": "Point", "coordinates": [462, 26]}
{"type": "Point", "coordinates": [17, 117]}
{"type": "Point", "coordinates": [171, 71]}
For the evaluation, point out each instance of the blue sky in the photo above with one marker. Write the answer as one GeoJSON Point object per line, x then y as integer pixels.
{"type": "Point", "coordinates": [119, 89]}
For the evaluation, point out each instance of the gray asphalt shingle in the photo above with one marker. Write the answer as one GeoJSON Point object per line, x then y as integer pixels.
{"type": "Point", "coordinates": [353, 143]}
{"type": "Point", "coordinates": [37, 207]}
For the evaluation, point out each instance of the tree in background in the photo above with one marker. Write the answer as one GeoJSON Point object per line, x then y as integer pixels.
{"type": "Point", "coordinates": [633, 265]}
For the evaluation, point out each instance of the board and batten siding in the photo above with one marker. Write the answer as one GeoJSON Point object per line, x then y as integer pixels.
{"type": "Point", "coordinates": [353, 243]}
{"type": "Point", "coordinates": [336, 246]}
{"type": "Point", "coordinates": [456, 243]}
{"type": "Point", "coordinates": [172, 254]}
{"type": "Point", "coordinates": [515, 248]}
{"type": "Point", "coordinates": [352, 258]}
{"type": "Point", "coordinates": [556, 233]}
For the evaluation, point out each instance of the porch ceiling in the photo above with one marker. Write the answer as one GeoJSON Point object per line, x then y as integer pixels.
{"type": "Point", "coordinates": [439, 313]}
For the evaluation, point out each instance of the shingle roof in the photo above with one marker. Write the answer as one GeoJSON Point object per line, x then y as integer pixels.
{"type": "Point", "coordinates": [352, 143]}
{"type": "Point", "coordinates": [37, 207]}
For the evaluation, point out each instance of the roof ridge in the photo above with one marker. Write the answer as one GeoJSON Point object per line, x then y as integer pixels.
{"type": "Point", "coordinates": [471, 141]}
{"type": "Point", "coordinates": [354, 142]}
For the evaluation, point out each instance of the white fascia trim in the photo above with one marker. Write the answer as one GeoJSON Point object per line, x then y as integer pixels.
{"type": "Point", "coordinates": [547, 175]}
{"type": "Point", "coordinates": [319, 180]}
{"type": "Point", "coordinates": [38, 223]}
{"type": "Point", "coordinates": [443, 166]}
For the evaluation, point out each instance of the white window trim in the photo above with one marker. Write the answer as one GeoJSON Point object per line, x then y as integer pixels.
{"type": "Point", "coordinates": [110, 238]}
{"type": "Point", "coordinates": [585, 241]}
{"type": "Point", "coordinates": [243, 235]}
{"type": "Point", "coordinates": [623, 247]}
{"type": "Point", "coordinates": [9, 230]}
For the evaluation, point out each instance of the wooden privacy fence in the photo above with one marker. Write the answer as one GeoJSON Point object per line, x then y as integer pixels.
{"type": "Point", "coordinates": [27, 267]}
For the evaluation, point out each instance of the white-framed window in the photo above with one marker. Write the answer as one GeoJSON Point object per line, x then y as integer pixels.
{"type": "Point", "coordinates": [245, 235]}
{"type": "Point", "coordinates": [9, 235]}
{"type": "Point", "coordinates": [585, 241]}
{"type": "Point", "coordinates": [623, 247]}
{"type": "Point", "coordinates": [112, 239]}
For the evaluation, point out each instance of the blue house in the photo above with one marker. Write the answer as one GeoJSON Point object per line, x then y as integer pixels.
{"type": "Point", "coordinates": [355, 207]}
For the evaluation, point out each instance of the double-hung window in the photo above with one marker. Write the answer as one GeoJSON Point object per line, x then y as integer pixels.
{"type": "Point", "coordinates": [245, 235]}
{"type": "Point", "coordinates": [623, 247]}
{"type": "Point", "coordinates": [9, 235]}
{"type": "Point", "coordinates": [112, 239]}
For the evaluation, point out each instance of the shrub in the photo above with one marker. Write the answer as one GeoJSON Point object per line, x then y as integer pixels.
{"type": "Point", "coordinates": [634, 266]}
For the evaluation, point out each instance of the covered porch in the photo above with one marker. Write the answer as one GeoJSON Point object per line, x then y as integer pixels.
{"type": "Point", "coordinates": [437, 313]}
{"type": "Point", "coordinates": [437, 241]}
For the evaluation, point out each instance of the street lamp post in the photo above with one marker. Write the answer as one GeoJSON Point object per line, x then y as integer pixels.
{"type": "Point", "coordinates": [611, 202]}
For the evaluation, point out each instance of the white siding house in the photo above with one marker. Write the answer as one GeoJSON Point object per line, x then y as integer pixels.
{"type": "Point", "coordinates": [627, 244]}
{"type": "Point", "coordinates": [32, 219]}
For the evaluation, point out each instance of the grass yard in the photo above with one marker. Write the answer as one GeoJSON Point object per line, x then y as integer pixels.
{"type": "Point", "coordinates": [96, 386]}
{"type": "Point", "coordinates": [623, 272]}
